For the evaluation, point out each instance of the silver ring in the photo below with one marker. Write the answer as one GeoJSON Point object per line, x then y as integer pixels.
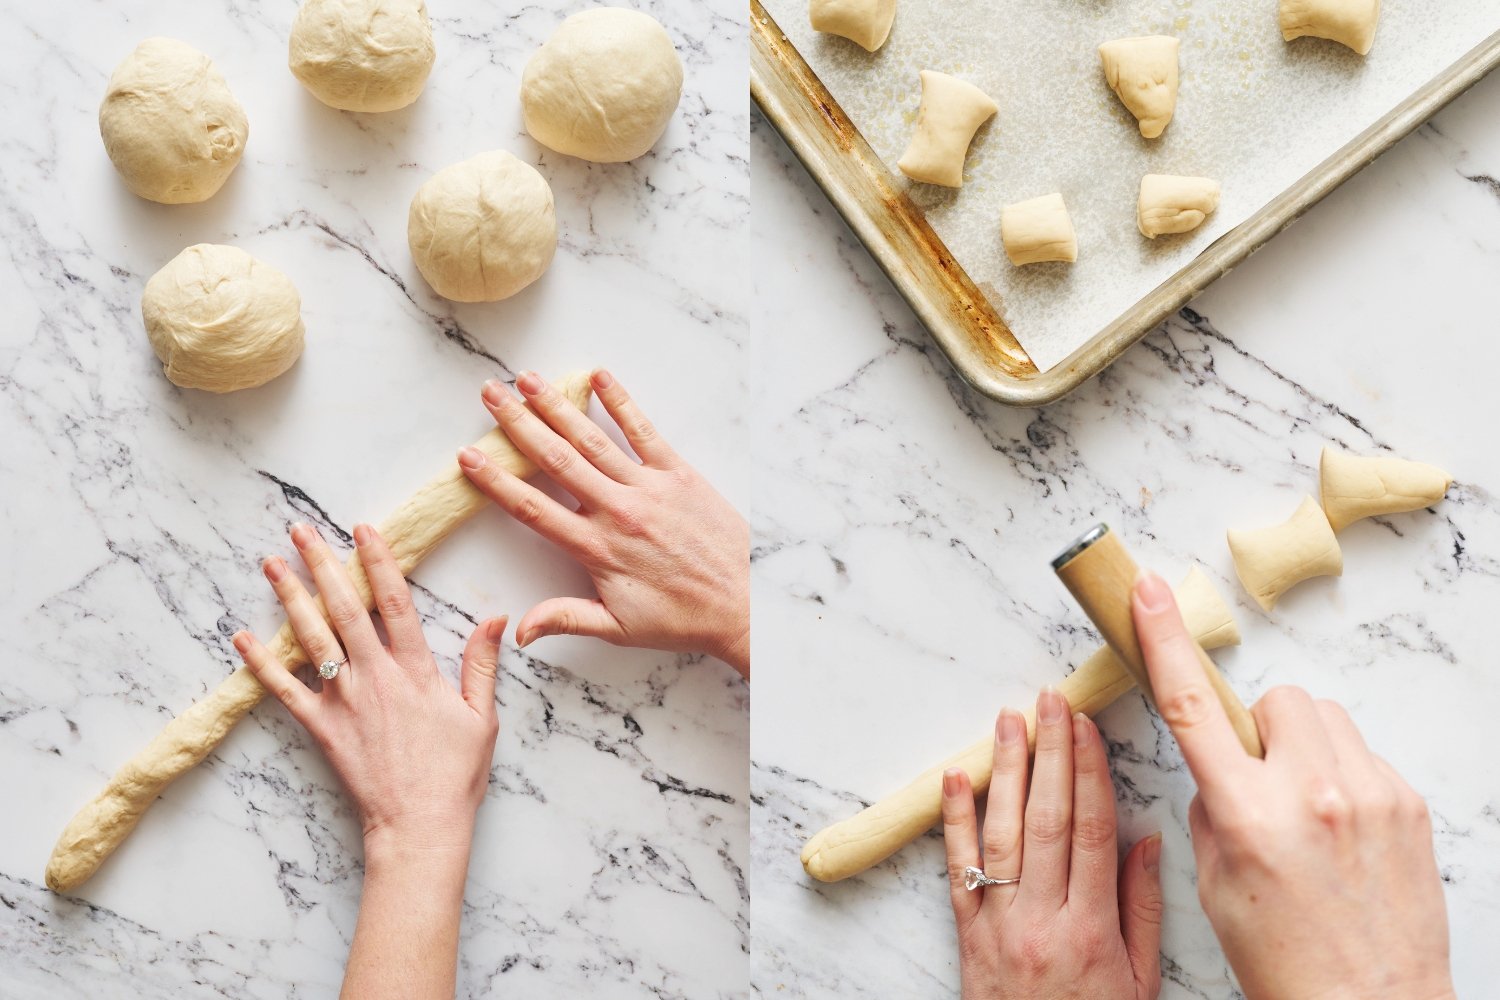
{"type": "Point", "coordinates": [329, 669]}
{"type": "Point", "coordinates": [975, 878]}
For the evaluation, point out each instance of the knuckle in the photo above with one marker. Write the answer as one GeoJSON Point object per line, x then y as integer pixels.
{"type": "Point", "coordinates": [1094, 833]}
{"type": "Point", "coordinates": [593, 443]}
{"type": "Point", "coordinates": [1147, 907]}
{"type": "Point", "coordinates": [557, 459]}
{"type": "Point", "coordinates": [396, 604]}
{"type": "Point", "coordinates": [1034, 949]}
{"type": "Point", "coordinates": [1330, 806]}
{"type": "Point", "coordinates": [1000, 843]}
{"type": "Point", "coordinates": [642, 429]}
{"type": "Point", "coordinates": [629, 520]}
{"type": "Point", "coordinates": [1046, 825]}
{"type": "Point", "coordinates": [527, 510]}
{"type": "Point", "coordinates": [1284, 696]}
{"type": "Point", "coordinates": [1188, 707]}
{"type": "Point", "coordinates": [344, 613]}
{"type": "Point", "coordinates": [566, 623]}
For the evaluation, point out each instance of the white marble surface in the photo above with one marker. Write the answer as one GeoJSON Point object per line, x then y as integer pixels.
{"type": "Point", "coordinates": [904, 527]}
{"type": "Point", "coordinates": [611, 856]}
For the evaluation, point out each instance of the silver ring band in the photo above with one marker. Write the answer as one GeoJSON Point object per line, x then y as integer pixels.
{"type": "Point", "coordinates": [975, 878]}
{"type": "Point", "coordinates": [329, 669]}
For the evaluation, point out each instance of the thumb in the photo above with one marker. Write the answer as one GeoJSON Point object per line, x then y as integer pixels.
{"type": "Point", "coordinates": [481, 663]}
{"type": "Point", "coordinates": [1140, 913]}
{"type": "Point", "coordinates": [569, 616]}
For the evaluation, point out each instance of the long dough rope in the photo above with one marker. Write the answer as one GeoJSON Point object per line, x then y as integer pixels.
{"type": "Point", "coordinates": [413, 531]}
{"type": "Point", "coordinates": [850, 846]}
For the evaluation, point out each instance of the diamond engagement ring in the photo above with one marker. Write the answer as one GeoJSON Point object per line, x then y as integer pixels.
{"type": "Point", "coordinates": [974, 878]}
{"type": "Point", "coordinates": [329, 669]}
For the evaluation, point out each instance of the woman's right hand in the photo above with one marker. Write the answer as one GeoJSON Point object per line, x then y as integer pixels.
{"type": "Point", "coordinates": [1315, 865]}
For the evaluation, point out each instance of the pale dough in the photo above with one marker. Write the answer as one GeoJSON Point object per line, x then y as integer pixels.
{"type": "Point", "coordinates": [950, 113]}
{"type": "Point", "coordinates": [1038, 230]}
{"type": "Point", "coordinates": [1172, 204]}
{"type": "Point", "coordinates": [170, 125]}
{"type": "Point", "coordinates": [867, 22]}
{"type": "Point", "coordinates": [1271, 561]}
{"type": "Point", "coordinates": [362, 55]}
{"type": "Point", "coordinates": [850, 846]}
{"type": "Point", "coordinates": [1143, 74]}
{"type": "Point", "coordinates": [221, 320]}
{"type": "Point", "coordinates": [603, 87]}
{"type": "Point", "coordinates": [1348, 22]}
{"type": "Point", "coordinates": [1355, 487]}
{"type": "Point", "coordinates": [483, 229]}
{"type": "Point", "coordinates": [413, 531]}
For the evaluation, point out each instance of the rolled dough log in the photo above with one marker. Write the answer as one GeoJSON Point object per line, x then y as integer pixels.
{"type": "Point", "coordinates": [413, 531]}
{"type": "Point", "coordinates": [1172, 204]}
{"type": "Point", "coordinates": [1271, 561]}
{"type": "Point", "coordinates": [867, 22]}
{"type": "Point", "coordinates": [1355, 487]}
{"type": "Point", "coordinates": [1038, 231]}
{"type": "Point", "coordinates": [849, 847]}
{"type": "Point", "coordinates": [1143, 74]}
{"type": "Point", "coordinates": [951, 112]}
{"type": "Point", "coordinates": [1348, 22]}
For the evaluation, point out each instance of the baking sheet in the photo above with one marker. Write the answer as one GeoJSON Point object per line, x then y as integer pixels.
{"type": "Point", "coordinates": [1254, 112]}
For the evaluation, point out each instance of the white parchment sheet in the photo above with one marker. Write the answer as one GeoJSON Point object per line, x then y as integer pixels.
{"type": "Point", "coordinates": [1254, 112]}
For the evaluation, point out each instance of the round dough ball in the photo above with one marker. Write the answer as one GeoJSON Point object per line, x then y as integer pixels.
{"type": "Point", "coordinates": [170, 124]}
{"type": "Point", "coordinates": [603, 86]}
{"type": "Point", "coordinates": [362, 55]}
{"type": "Point", "coordinates": [221, 320]}
{"type": "Point", "coordinates": [483, 229]}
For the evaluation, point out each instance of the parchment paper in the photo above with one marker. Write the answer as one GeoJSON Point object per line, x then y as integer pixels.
{"type": "Point", "coordinates": [1254, 112]}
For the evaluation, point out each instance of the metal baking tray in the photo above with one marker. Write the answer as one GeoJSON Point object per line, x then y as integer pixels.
{"type": "Point", "coordinates": [962, 319]}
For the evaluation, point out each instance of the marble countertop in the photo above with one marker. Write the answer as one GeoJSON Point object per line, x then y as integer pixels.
{"type": "Point", "coordinates": [612, 854]}
{"type": "Point", "coordinates": [902, 587]}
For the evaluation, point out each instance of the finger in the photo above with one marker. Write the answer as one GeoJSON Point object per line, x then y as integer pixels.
{"type": "Point", "coordinates": [277, 679]}
{"type": "Point", "coordinates": [961, 842]}
{"type": "Point", "coordinates": [577, 429]}
{"type": "Point", "coordinates": [1184, 697]}
{"type": "Point", "coordinates": [481, 664]}
{"type": "Point", "coordinates": [1201, 830]}
{"type": "Point", "coordinates": [633, 423]}
{"type": "Point", "coordinates": [552, 454]}
{"type": "Point", "coordinates": [346, 609]}
{"type": "Point", "coordinates": [1348, 744]}
{"type": "Point", "coordinates": [522, 501]}
{"type": "Point", "coordinates": [1292, 729]}
{"type": "Point", "coordinates": [1093, 873]}
{"type": "Point", "coordinates": [392, 599]}
{"type": "Point", "coordinates": [1005, 809]}
{"type": "Point", "coordinates": [302, 612]}
{"type": "Point", "coordinates": [1140, 913]}
{"type": "Point", "coordinates": [570, 616]}
{"type": "Point", "coordinates": [1049, 809]}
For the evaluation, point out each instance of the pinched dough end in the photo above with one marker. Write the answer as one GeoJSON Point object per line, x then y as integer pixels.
{"type": "Point", "coordinates": [1172, 204]}
{"type": "Point", "coordinates": [865, 22]}
{"type": "Point", "coordinates": [1355, 487]}
{"type": "Point", "coordinates": [1348, 22]}
{"type": "Point", "coordinates": [1038, 231]}
{"type": "Point", "coordinates": [1143, 74]}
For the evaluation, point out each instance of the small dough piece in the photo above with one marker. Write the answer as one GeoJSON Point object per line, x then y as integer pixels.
{"type": "Point", "coordinates": [483, 229]}
{"type": "Point", "coordinates": [1355, 487]}
{"type": "Point", "coordinates": [1271, 561]}
{"type": "Point", "coordinates": [1143, 74]}
{"type": "Point", "coordinates": [1038, 230]}
{"type": "Point", "coordinates": [221, 320]}
{"type": "Point", "coordinates": [867, 22]}
{"type": "Point", "coordinates": [951, 112]}
{"type": "Point", "coordinates": [1172, 204]}
{"type": "Point", "coordinates": [362, 55]}
{"type": "Point", "coordinates": [1348, 22]}
{"type": "Point", "coordinates": [603, 87]}
{"type": "Point", "coordinates": [170, 125]}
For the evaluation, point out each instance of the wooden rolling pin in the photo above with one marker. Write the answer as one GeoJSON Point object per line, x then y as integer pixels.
{"type": "Point", "coordinates": [1100, 575]}
{"type": "Point", "coordinates": [413, 531]}
{"type": "Point", "coordinates": [849, 847]}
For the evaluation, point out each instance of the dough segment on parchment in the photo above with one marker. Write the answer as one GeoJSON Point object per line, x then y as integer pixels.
{"type": "Point", "coordinates": [865, 22]}
{"type": "Point", "coordinates": [1173, 204]}
{"type": "Point", "coordinates": [1348, 22]}
{"type": "Point", "coordinates": [1038, 231]}
{"type": "Point", "coordinates": [1143, 74]}
{"type": "Point", "coordinates": [950, 113]}
{"type": "Point", "coordinates": [416, 528]}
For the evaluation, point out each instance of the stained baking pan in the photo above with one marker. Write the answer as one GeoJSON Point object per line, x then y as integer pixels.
{"type": "Point", "coordinates": [966, 317]}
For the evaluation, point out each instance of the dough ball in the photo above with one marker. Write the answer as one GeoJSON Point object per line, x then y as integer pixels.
{"type": "Point", "coordinates": [221, 320]}
{"type": "Point", "coordinates": [170, 125]}
{"type": "Point", "coordinates": [362, 55]}
{"type": "Point", "coordinates": [603, 86]}
{"type": "Point", "coordinates": [483, 229]}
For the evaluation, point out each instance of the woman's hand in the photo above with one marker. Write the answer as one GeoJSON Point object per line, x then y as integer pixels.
{"type": "Point", "coordinates": [669, 557]}
{"type": "Point", "coordinates": [1077, 924]}
{"type": "Point", "coordinates": [1315, 865]}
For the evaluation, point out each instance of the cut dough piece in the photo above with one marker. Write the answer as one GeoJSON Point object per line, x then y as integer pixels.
{"type": "Point", "coordinates": [951, 112]}
{"type": "Point", "coordinates": [867, 22]}
{"type": "Point", "coordinates": [1348, 22]}
{"type": "Point", "coordinates": [1143, 74]}
{"type": "Point", "coordinates": [1355, 487]}
{"type": "Point", "coordinates": [1271, 561]}
{"type": "Point", "coordinates": [1172, 204]}
{"type": "Point", "coordinates": [1038, 230]}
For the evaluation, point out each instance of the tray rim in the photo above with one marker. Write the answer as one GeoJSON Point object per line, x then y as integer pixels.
{"type": "Point", "coordinates": [971, 335]}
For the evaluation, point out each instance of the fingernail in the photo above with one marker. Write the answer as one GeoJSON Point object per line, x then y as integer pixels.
{"type": "Point", "coordinates": [494, 630]}
{"type": "Point", "coordinates": [494, 392]}
{"type": "Point", "coordinates": [470, 457]}
{"type": "Point", "coordinates": [1051, 706]}
{"type": "Point", "coordinates": [1082, 731]}
{"type": "Point", "coordinates": [1009, 729]}
{"type": "Point", "coordinates": [950, 781]}
{"type": "Point", "coordinates": [603, 379]}
{"type": "Point", "coordinates": [1152, 592]}
{"type": "Point", "coordinates": [530, 383]}
{"type": "Point", "coordinates": [1151, 853]}
{"type": "Point", "coordinates": [363, 534]}
{"type": "Point", "coordinates": [241, 642]}
{"type": "Point", "coordinates": [274, 569]}
{"type": "Point", "coordinates": [302, 535]}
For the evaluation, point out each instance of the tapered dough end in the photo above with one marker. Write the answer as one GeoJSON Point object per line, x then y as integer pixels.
{"type": "Point", "coordinates": [864, 22]}
{"type": "Point", "coordinates": [1271, 561]}
{"type": "Point", "coordinates": [1354, 487]}
{"type": "Point", "coordinates": [1144, 76]}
